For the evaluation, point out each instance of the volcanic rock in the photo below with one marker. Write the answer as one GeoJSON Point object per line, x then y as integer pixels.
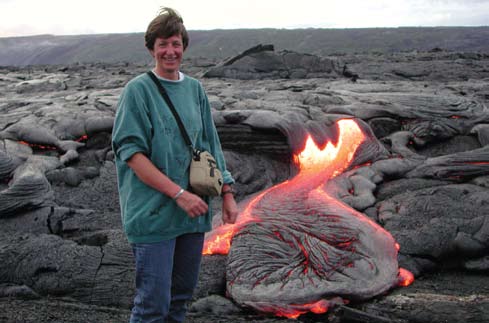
{"type": "Point", "coordinates": [261, 62]}
{"type": "Point", "coordinates": [425, 180]}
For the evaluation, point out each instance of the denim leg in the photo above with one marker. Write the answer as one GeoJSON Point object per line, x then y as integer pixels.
{"type": "Point", "coordinates": [154, 262]}
{"type": "Point", "coordinates": [186, 266]}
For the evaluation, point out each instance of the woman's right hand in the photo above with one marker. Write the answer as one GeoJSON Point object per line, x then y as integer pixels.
{"type": "Point", "coordinates": [192, 204]}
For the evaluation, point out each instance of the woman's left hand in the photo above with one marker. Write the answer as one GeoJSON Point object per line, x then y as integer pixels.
{"type": "Point", "coordinates": [229, 209]}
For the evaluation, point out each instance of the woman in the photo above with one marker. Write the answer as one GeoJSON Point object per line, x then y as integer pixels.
{"type": "Point", "coordinates": [164, 222]}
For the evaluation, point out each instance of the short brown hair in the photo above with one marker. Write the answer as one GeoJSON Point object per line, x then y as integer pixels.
{"type": "Point", "coordinates": [168, 23]}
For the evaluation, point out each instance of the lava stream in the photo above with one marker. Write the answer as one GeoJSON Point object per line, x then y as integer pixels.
{"type": "Point", "coordinates": [316, 166]}
{"type": "Point", "coordinates": [307, 237]}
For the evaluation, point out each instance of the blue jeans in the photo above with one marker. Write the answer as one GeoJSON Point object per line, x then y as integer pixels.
{"type": "Point", "coordinates": [166, 275]}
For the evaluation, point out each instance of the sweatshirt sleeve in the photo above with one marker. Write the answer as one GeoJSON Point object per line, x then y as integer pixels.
{"type": "Point", "coordinates": [132, 130]}
{"type": "Point", "coordinates": [212, 137]}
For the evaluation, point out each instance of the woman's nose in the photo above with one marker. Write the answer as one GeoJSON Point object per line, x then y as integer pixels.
{"type": "Point", "coordinates": [172, 49]}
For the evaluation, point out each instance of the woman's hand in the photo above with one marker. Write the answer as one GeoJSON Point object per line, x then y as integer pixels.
{"type": "Point", "coordinates": [229, 209]}
{"type": "Point", "coordinates": [192, 204]}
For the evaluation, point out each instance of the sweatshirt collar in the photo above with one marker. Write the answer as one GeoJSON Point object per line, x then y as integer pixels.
{"type": "Point", "coordinates": [181, 76]}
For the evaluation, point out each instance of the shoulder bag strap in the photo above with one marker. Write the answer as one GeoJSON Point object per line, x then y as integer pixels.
{"type": "Point", "coordinates": [172, 109]}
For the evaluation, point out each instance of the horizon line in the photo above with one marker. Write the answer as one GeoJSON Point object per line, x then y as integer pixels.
{"type": "Point", "coordinates": [248, 29]}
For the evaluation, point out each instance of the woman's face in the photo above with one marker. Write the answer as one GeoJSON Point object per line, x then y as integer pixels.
{"type": "Point", "coordinates": [168, 53]}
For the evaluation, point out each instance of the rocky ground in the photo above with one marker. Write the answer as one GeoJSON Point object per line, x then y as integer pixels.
{"type": "Point", "coordinates": [424, 178]}
{"type": "Point", "coordinates": [461, 298]}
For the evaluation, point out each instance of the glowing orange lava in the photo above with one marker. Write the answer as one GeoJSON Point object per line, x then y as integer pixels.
{"type": "Point", "coordinates": [221, 241]}
{"type": "Point", "coordinates": [48, 147]}
{"type": "Point", "coordinates": [37, 146]}
{"type": "Point", "coordinates": [316, 166]}
{"type": "Point", "coordinates": [296, 310]}
{"type": "Point", "coordinates": [406, 278]}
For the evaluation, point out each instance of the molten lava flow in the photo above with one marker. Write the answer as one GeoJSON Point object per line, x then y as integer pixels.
{"type": "Point", "coordinates": [82, 138]}
{"type": "Point", "coordinates": [49, 147]}
{"type": "Point", "coordinates": [406, 278]}
{"type": "Point", "coordinates": [312, 163]}
{"type": "Point", "coordinates": [219, 240]}
{"type": "Point", "coordinates": [37, 146]}
{"type": "Point", "coordinates": [307, 237]}
{"type": "Point", "coordinates": [293, 311]}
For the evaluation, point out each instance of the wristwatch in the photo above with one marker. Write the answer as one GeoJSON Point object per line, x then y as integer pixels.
{"type": "Point", "coordinates": [227, 191]}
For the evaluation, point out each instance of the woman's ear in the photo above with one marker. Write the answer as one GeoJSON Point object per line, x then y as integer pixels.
{"type": "Point", "coordinates": [151, 52]}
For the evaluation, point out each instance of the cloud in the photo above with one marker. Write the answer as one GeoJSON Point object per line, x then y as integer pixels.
{"type": "Point", "coordinates": [30, 17]}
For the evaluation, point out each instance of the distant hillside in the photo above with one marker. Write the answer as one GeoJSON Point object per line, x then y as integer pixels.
{"type": "Point", "coordinates": [219, 44]}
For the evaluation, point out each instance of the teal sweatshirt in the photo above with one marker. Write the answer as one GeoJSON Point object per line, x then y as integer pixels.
{"type": "Point", "coordinates": [144, 123]}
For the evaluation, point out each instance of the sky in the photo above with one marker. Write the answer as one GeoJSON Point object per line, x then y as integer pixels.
{"type": "Point", "coordinates": [68, 17]}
